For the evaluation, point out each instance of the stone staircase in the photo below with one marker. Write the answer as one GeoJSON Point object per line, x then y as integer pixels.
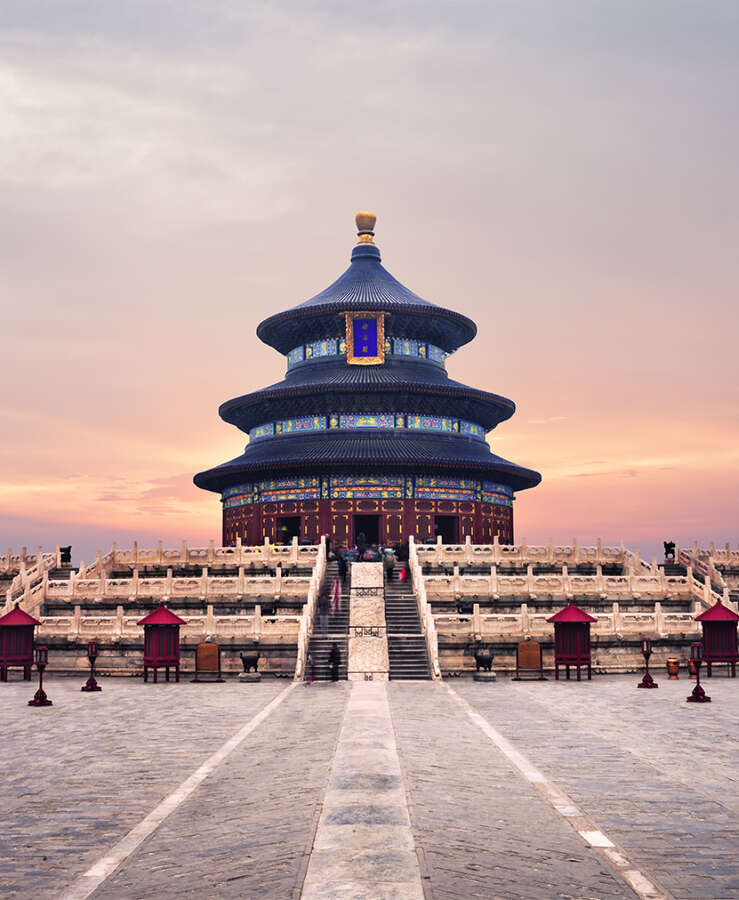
{"type": "Point", "coordinates": [405, 641]}
{"type": "Point", "coordinates": [338, 629]}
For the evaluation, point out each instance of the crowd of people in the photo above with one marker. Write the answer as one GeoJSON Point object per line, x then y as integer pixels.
{"type": "Point", "coordinates": [393, 558]}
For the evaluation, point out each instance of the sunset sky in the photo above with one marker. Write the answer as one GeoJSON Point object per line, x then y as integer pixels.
{"type": "Point", "coordinates": [564, 173]}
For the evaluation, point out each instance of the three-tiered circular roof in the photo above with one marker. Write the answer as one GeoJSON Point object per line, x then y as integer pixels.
{"type": "Point", "coordinates": [333, 388]}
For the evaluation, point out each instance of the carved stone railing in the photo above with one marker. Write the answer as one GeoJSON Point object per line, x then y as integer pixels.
{"type": "Point", "coordinates": [489, 627]}
{"type": "Point", "coordinates": [495, 553]}
{"type": "Point", "coordinates": [112, 628]}
{"type": "Point", "coordinates": [306, 620]}
{"type": "Point", "coordinates": [30, 576]}
{"type": "Point", "coordinates": [12, 563]}
{"type": "Point", "coordinates": [428, 624]}
{"type": "Point", "coordinates": [265, 555]}
{"type": "Point", "coordinates": [563, 584]}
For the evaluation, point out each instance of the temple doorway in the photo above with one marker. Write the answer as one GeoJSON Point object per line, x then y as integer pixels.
{"type": "Point", "coordinates": [369, 526]}
{"type": "Point", "coordinates": [288, 527]}
{"type": "Point", "coordinates": [446, 528]}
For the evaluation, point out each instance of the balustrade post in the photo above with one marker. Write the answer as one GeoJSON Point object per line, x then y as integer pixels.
{"type": "Point", "coordinates": [257, 620]}
{"type": "Point", "coordinates": [524, 627]}
{"type": "Point", "coordinates": [277, 581]}
{"type": "Point", "coordinates": [135, 584]}
{"type": "Point", "coordinates": [160, 553]}
{"type": "Point", "coordinates": [659, 619]}
{"type": "Point", "coordinates": [493, 588]}
{"type": "Point", "coordinates": [599, 549]}
{"type": "Point", "coordinates": [294, 551]}
{"type": "Point", "coordinates": [204, 583]}
{"type": "Point", "coordinates": [566, 584]}
{"type": "Point", "coordinates": [496, 549]}
{"type": "Point", "coordinates": [616, 615]}
{"type": "Point", "coordinates": [77, 621]}
{"type": "Point", "coordinates": [468, 549]}
{"type": "Point", "coordinates": [211, 553]}
{"type": "Point", "coordinates": [169, 581]}
{"type": "Point", "coordinates": [241, 580]}
{"type": "Point", "coordinates": [476, 622]}
{"type": "Point", "coordinates": [575, 552]}
{"type": "Point", "coordinates": [184, 555]}
{"type": "Point", "coordinates": [210, 620]}
{"type": "Point", "coordinates": [456, 581]}
{"type": "Point", "coordinates": [530, 580]}
{"type": "Point", "coordinates": [600, 584]}
{"type": "Point", "coordinates": [118, 627]}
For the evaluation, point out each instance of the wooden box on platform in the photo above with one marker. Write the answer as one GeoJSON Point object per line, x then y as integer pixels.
{"type": "Point", "coordinates": [16, 642]}
{"type": "Point", "coordinates": [208, 662]}
{"type": "Point", "coordinates": [719, 637]}
{"type": "Point", "coordinates": [571, 639]}
{"type": "Point", "coordinates": [161, 642]}
{"type": "Point", "coordinates": [529, 660]}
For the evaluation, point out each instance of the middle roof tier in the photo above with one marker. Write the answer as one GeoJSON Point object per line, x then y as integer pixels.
{"type": "Point", "coordinates": [333, 387]}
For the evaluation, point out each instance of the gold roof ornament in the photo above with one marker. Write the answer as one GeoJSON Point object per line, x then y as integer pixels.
{"type": "Point", "coordinates": [365, 227]}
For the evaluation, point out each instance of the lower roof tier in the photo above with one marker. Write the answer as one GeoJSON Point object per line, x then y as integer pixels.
{"type": "Point", "coordinates": [319, 453]}
{"type": "Point", "coordinates": [402, 386]}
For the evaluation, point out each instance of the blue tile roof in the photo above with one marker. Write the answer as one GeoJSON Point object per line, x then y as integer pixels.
{"type": "Point", "coordinates": [326, 452]}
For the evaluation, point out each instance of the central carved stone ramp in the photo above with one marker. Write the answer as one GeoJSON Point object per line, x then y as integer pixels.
{"type": "Point", "coordinates": [364, 845]}
{"type": "Point", "coordinates": [338, 628]}
{"type": "Point", "coordinates": [405, 640]}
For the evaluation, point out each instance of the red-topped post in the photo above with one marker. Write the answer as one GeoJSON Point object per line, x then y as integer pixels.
{"type": "Point", "coordinates": [42, 660]}
{"type": "Point", "coordinates": [92, 654]}
{"type": "Point", "coordinates": [719, 625]}
{"type": "Point", "coordinates": [161, 642]}
{"type": "Point", "coordinates": [571, 639]}
{"type": "Point", "coordinates": [16, 642]}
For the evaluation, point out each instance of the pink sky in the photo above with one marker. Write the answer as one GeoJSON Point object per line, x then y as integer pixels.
{"type": "Point", "coordinates": [564, 175]}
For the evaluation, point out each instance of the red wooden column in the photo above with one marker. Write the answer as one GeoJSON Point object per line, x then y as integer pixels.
{"type": "Point", "coordinates": [161, 642]}
{"type": "Point", "coordinates": [719, 637]}
{"type": "Point", "coordinates": [571, 639]}
{"type": "Point", "coordinates": [16, 642]}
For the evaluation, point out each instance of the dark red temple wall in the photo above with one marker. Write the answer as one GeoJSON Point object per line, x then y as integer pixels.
{"type": "Point", "coordinates": [399, 519]}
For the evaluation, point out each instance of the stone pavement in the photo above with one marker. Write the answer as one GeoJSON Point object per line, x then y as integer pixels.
{"type": "Point", "coordinates": [308, 795]}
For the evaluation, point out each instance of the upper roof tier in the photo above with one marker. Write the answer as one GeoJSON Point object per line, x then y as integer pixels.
{"type": "Point", "coordinates": [367, 285]}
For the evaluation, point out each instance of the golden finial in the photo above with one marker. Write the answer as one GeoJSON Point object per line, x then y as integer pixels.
{"type": "Point", "coordinates": [365, 226]}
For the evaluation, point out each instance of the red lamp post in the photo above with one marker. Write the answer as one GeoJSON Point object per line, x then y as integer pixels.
{"type": "Point", "coordinates": [41, 658]}
{"type": "Point", "coordinates": [647, 681]}
{"type": "Point", "coordinates": [92, 655]}
{"type": "Point", "coordinates": [696, 654]}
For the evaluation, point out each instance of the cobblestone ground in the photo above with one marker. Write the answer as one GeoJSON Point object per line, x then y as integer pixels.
{"type": "Point", "coordinates": [79, 774]}
{"type": "Point", "coordinates": [657, 775]}
{"type": "Point", "coordinates": [483, 831]}
{"type": "Point", "coordinates": [248, 830]}
{"type": "Point", "coordinates": [660, 776]}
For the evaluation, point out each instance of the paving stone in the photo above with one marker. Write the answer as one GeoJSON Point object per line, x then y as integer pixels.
{"type": "Point", "coordinates": [482, 829]}
{"type": "Point", "coordinates": [657, 774]}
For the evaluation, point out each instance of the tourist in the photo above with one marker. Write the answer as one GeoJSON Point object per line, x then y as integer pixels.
{"type": "Point", "coordinates": [324, 606]}
{"type": "Point", "coordinates": [341, 562]}
{"type": "Point", "coordinates": [361, 543]}
{"type": "Point", "coordinates": [334, 659]}
{"type": "Point", "coordinates": [388, 564]}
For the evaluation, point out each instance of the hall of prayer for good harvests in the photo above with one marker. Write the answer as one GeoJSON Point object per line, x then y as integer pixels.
{"type": "Point", "coordinates": [367, 433]}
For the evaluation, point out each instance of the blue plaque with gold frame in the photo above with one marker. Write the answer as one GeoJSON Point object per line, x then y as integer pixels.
{"type": "Point", "coordinates": [365, 338]}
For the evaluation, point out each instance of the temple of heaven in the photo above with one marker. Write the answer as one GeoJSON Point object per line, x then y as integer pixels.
{"type": "Point", "coordinates": [367, 432]}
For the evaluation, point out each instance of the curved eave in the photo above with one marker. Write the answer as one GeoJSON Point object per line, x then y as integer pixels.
{"type": "Point", "coordinates": [480, 407]}
{"type": "Point", "coordinates": [416, 454]}
{"type": "Point", "coordinates": [442, 327]}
